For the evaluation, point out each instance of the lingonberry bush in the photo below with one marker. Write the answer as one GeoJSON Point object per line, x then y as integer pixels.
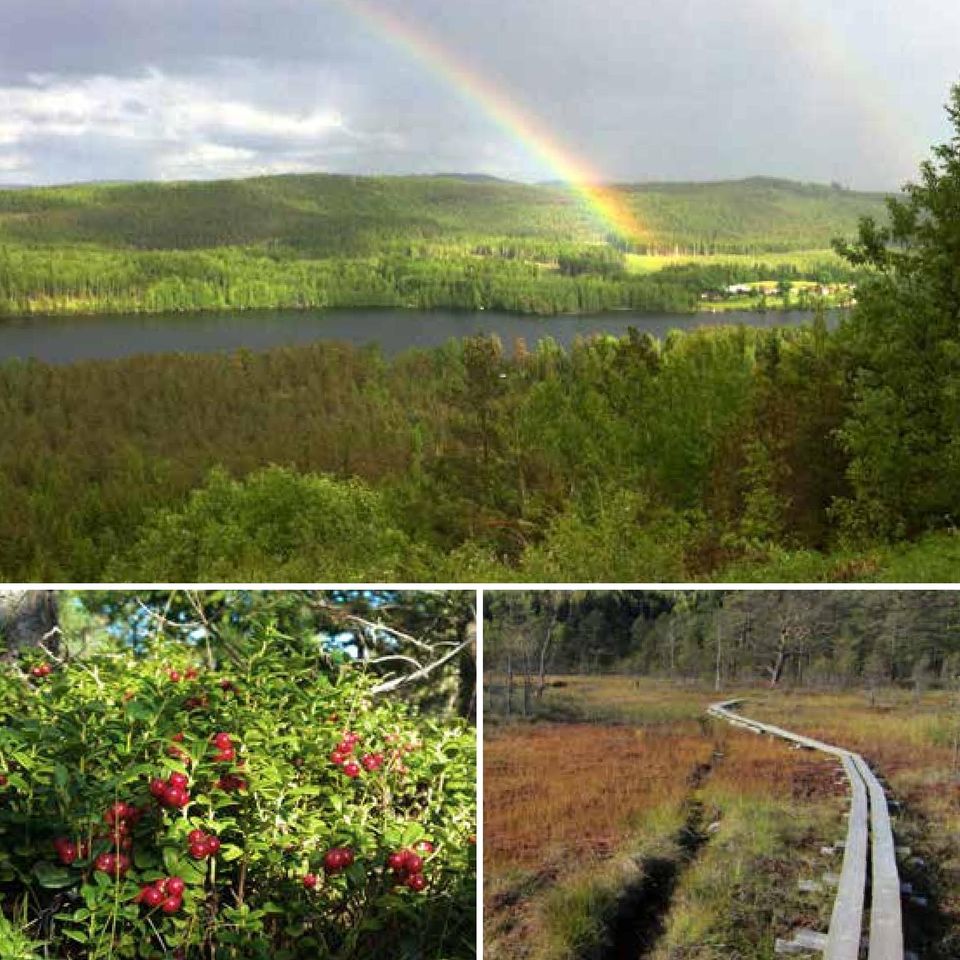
{"type": "Point", "coordinates": [153, 808]}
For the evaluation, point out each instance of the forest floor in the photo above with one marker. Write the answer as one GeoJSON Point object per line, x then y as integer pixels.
{"type": "Point", "coordinates": [621, 822]}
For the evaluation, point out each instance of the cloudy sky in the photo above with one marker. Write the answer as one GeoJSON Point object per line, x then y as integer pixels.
{"type": "Point", "coordinates": [634, 89]}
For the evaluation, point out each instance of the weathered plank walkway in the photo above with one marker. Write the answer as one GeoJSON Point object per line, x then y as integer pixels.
{"type": "Point", "coordinates": [842, 941]}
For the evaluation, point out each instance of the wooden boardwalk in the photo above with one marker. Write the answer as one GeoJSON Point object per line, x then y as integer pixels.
{"type": "Point", "coordinates": [869, 816]}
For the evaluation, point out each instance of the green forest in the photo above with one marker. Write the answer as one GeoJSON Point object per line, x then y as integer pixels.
{"type": "Point", "coordinates": [729, 453]}
{"type": "Point", "coordinates": [788, 638]}
{"type": "Point", "coordinates": [316, 241]}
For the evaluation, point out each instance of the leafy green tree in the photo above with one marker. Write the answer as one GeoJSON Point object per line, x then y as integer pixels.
{"type": "Point", "coordinates": [903, 356]}
{"type": "Point", "coordinates": [273, 525]}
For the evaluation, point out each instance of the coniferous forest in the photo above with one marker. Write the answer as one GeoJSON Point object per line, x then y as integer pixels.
{"type": "Point", "coordinates": [808, 453]}
{"type": "Point", "coordinates": [789, 638]}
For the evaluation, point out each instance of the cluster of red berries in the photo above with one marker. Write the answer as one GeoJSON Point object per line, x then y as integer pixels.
{"type": "Point", "coordinates": [337, 859]}
{"type": "Point", "coordinates": [122, 818]}
{"type": "Point", "coordinates": [407, 867]}
{"type": "Point", "coordinates": [191, 673]}
{"type": "Point", "coordinates": [202, 845]}
{"type": "Point", "coordinates": [68, 851]}
{"type": "Point", "coordinates": [167, 894]}
{"type": "Point", "coordinates": [173, 792]}
{"type": "Point", "coordinates": [342, 757]}
{"type": "Point", "coordinates": [114, 864]}
{"type": "Point", "coordinates": [225, 750]}
{"type": "Point", "coordinates": [41, 670]}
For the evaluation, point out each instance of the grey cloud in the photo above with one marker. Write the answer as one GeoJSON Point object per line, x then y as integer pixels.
{"type": "Point", "coordinates": [641, 90]}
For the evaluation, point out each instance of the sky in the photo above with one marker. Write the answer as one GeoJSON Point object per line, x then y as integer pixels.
{"type": "Point", "coordinates": [624, 90]}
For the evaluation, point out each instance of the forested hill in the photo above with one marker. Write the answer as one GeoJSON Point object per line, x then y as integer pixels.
{"type": "Point", "coordinates": [324, 215]}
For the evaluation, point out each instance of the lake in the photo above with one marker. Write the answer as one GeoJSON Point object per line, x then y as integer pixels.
{"type": "Point", "coordinates": [67, 339]}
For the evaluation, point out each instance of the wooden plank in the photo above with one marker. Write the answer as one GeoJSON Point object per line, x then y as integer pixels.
{"type": "Point", "coordinates": [886, 921]}
{"type": "Point", "coordinates": [846, 921]}
{"type": "Point", "coordinates": [843, 937]}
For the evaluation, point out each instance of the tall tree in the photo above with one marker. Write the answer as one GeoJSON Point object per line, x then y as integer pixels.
{"type": "Point", "coordinates": [903, 343]}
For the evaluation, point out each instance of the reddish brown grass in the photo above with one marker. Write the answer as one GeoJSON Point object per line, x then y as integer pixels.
{"type": "Point", "coordinates": [579, 789]}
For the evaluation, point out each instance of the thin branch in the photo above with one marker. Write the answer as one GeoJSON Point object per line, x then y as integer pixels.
{"type": "Point", "coordinates": [391, 630]}
{"type": "Point", "coordinates": [423, 672]}
{"type": "Point", "coordinates": [398, 656]}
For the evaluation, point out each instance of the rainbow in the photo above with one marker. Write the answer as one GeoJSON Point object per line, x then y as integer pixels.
{"type": "Point", "coordinates": [607, 204]}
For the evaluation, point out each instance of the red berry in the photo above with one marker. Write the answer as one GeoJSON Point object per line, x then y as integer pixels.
{"type": "Point", "coordinates": [175, 797]}
{"type": "Point", "coordinates": [345, 748]}
{"type": "Point", "coordinates": [351, 769]}
{"type": "Point", "coordinates": [66, 850]}
{"type": "Point", "coordinates": [337, 757]}
{"type": "Point", "coordinates": [417, 882]}
{"type": "Point", "coordinates": [337, 859]}
{"type": "Point", "coordinates": [213, 846]}
{"type": "Point", "coordinates": [199, 851]}
{"type": "Point", "coordinates": [396, 861]}
{"type": "Point", "coordinates": [153, 896]}
{"type": "Point", "coordinates": [414, 863]}
{"type": "Point", "coordinates": [177, 737]}
{"type": "Point", "coordinates": [196, 836]}
{"type": "Point", "coordinates": [174, 675]}
{"type": "Point", "coordinates": [192, 673]}
{"type": "Point", "coordinates": [221, 740]}
{"type": "Point", "coordinates": [106, 863]}
{"type": "Point", "coordinates": [310, 881]}
{"type": "Point", "coordinates": [175, 887]}
{"type": "Point", "coordinates": [178, 780]}
{"type": "Point", "coordinates": [370, 762]}
{"type": "Point", "coordinates": [224, 756]}
{"type": "Point", "coordinates": [171, 904]}
{"type": "Point", "coordinates": [157, 787]}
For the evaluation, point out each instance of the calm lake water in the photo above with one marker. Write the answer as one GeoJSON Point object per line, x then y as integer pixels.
{"type": "Point", "coordinates": [66, 339]}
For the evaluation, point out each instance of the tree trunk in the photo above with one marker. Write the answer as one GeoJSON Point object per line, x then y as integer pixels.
{"type": "Point", "coordinates": [544, 647]}
{"type": "Point", "coordinates": [777, 669]}
{"type": "Point", "coordinates": [28, 618]}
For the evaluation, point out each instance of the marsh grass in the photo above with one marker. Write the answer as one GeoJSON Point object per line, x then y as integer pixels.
{"type": "Point", "coordinates": [576, 812]}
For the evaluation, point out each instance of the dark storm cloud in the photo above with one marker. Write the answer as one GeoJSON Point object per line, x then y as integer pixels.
{"type": "Point", "coordinates": [642, 90]}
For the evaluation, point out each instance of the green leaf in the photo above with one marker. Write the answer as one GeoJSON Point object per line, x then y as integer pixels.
{"type": "Point", "coordinates": [230, 852]}
{"type": "Point", "coordinates": [53, 877]}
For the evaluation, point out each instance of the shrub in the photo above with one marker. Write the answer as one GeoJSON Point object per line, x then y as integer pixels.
{"type": "Point", "coordinates": [282, 761]}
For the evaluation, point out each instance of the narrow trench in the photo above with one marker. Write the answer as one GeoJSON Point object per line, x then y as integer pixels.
{"type": "Point", "coordinates": [643, 908]}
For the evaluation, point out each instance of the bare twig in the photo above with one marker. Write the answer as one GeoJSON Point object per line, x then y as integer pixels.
{"type": "Point", "coordinates": [391, 630]}
{"type": "Point", "coordinates": [421, 673]}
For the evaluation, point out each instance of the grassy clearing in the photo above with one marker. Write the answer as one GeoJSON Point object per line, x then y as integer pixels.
{"type": "Point", "coordinates": [773, 809]}
{"type": "Point", "coordinates": [557, 790]}
{"type": "Point", "coordinates": [802, 260]}
{"type": "Point", "coordinates": [587, 820]}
